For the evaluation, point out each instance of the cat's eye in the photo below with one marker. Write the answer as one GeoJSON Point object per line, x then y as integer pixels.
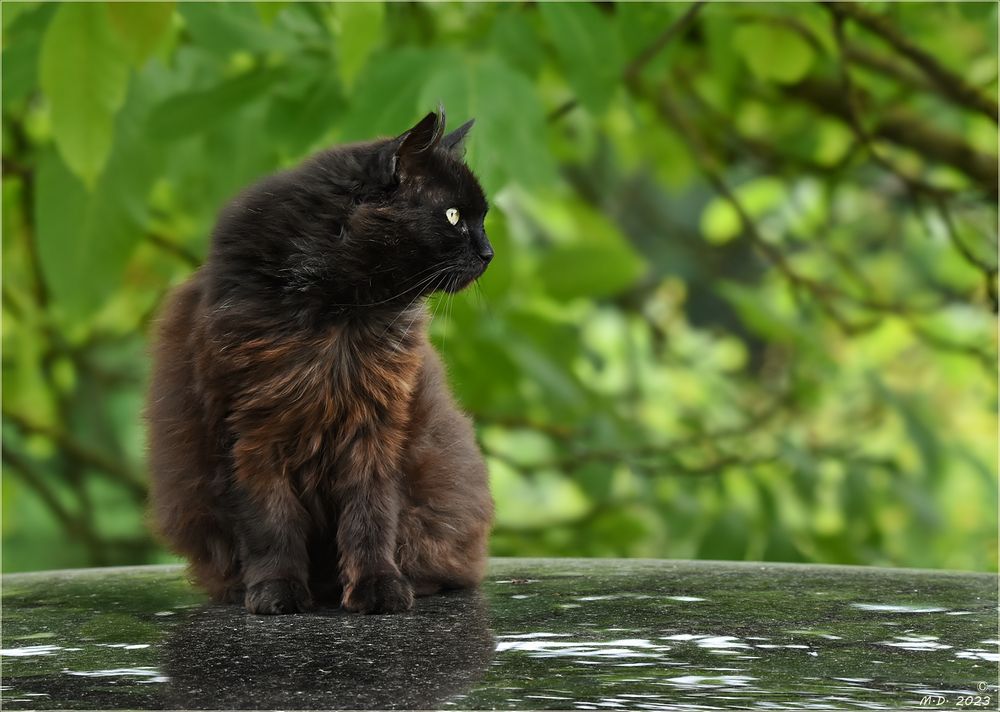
{"type": "Point", "coordinates": [452, 215]}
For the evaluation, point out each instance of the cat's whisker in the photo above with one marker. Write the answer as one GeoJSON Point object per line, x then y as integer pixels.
{"type": "Point", "coordinates": [435, 269]}
{"type": "Point", "coordinates": [481, 299]}
{"type": "Point", "coordinates": [437, 304]}
{"type": "Point", "coordinates": [432, 268]}
{"type": "Point", "coordinates": [417, 286]}
{"type": "Point", "coordinates": [447, 315]}
{"type": "Point", "coordinates": [442, 269]}
{"type": "Point", "coordinates": [408, 327]}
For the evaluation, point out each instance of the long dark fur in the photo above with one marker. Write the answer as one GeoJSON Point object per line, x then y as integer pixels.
{"type": "Point", "coordinates": [304, 444]}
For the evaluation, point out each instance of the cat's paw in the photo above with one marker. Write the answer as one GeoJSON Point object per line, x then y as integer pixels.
{"type": "Point", "coordinates": [276, 597]}
{"type": "Point", "coordinates": [388, 593]}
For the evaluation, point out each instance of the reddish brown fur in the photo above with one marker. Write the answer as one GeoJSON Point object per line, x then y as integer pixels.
{"type": "Point", "coordinates": [290, 465]}
{"type": "Point", "coordinates": [303, 441]}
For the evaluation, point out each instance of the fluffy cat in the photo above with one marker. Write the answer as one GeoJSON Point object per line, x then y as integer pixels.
{"type": "Point", "coordinates": [304, 446]}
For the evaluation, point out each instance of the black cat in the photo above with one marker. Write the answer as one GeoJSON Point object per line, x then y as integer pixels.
{"type": "Point", "coordinates": [303, 440]}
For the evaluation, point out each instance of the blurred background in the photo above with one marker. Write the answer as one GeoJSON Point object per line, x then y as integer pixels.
{"type": "Point", "coordinates": [744, 301]}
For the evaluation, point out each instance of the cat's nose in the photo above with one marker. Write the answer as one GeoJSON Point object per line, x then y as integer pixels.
{"type": "Point", "coordinates": [486, 254]}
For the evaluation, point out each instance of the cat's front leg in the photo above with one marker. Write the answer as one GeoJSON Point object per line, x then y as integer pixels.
{"type": "Point", "coordinates": [271, 528]}
{"type": "Point", "coordinates": [366, 535]}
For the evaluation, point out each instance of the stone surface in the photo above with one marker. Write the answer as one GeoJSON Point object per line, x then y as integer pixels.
{"type": "Point", "coordinates": [545, 634]}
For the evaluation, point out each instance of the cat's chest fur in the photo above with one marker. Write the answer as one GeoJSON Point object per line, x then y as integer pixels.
{"type": "Point", "coordinates": [304, 401]}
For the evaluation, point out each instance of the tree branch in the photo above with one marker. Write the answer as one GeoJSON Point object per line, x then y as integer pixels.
{"type": "Point", "coordinates": [988, 360]}
{"type": "Point", "coordinates": [888, 67]}
{"type": "Point", "coordinates": [21, 146]}
{"type": "Point", "coordinates": [753, 422]}
{"type": "Point", "coordinates": [989, 271]}
{"type": "Point", "coordinates": [767, 154]}
{"type": "Point", "coordinates": [660, 43]}
{"type": "Point", "coordinates": [645, 56]}
{"type": "Point", "coordinates": [950, 83]}
{"type": "Point", "coordinates": [672, 113]}
{"type": "Point", "coordinates": [169, 246]}
{"type": "Point", "coordinates": [81, 453]}
{"type": "Point", "coordinates": [72, 524]}
{"type": "Point", "coordinates": [903, 129]}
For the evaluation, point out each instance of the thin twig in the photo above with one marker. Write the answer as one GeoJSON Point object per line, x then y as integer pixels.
{"type": "Point", "coordinates": [947, 81]}
{"type": "Point", "coordinates": [645, 56]}
{"type": "Point", "coordinates": [173, 248]}
{"type": "Point", "coordinates": [989, 271]}
{"type": "Point", "coordinates": [988, 360]}
{"type": "Point", "coordinates": [916, 186]}
{"type": "Point", "coordinates": [73, 525]}
{"type": "Point", "coordinates": [81, 453]}
{"type": "Point", "coordinates": [669, 110]}
{"type": "Point", "coordinates": [660, 451]}
{"type": "Point", "coordinates": [660, 43]}
{"type": "Point", "coordinates": [903, 129]}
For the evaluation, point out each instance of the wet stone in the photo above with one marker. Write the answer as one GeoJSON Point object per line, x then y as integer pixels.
{"type": "Point", "coordinates": [540, 634]}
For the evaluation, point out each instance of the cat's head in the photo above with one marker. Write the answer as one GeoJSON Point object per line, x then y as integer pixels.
{"type": "Point", "coordinates": [425, 227]}
{"type": "Point", "coordinates": [379, 223]}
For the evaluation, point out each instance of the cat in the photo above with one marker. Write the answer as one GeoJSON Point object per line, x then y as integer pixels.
{"type": "Point", "coordinates": [304, 446]}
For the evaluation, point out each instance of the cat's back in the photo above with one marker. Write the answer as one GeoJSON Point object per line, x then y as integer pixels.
{"type": "Point", "coordinates": [187, 488]}
{"type": "Point", "coordinates": [173, 408]}
{"type": "Point", "coordinates": [175, 330]}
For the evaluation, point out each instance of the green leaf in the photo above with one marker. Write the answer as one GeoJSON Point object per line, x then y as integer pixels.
{"type": "Point", "coordinates": [514, 38]}
{"type": "Point", "coordinates": [197, 111]}
{"type": "Point", "coordinates": [556, 338]}
{"type": "Point", "coordinates": [780, 546]}
{"type": "Point", "coordinates": [267, 11]}
{"type": "Point", "coordinates": [205, 171]}
{"type": "Point", "coordinates": [359, 33]}
{"type": "Point", "coordinates": [21, 47]}
{"type": "Point", "coordinates": [140, 26]}
{"type": "Point", "coordinates": [642, 22]}
{"type": "Point", "coordinates": [614, 532]}
{"type": "Point", "coordinates": [477, 349]}
{"type": "Point", "coordinates": [594, 479]}
{"type": "Point", "coordinates": [299, 122]}
{"type": "Point", "coordinates": [84, 75]}
{"type": "Point", "coordinates": [590, 50]}
{"type": "Point", "coordinates": [15, 12]}
{"type": "Point", "coordinates": [726, 538]}
{"type": "Point", "coordinates": [589, 270]}
{"type": "Point", "coordinates": [761, 316]}
{"type": "Point", "coordinates": [228, 28]}
{"type": "Point", "coordinates": [388, 104]}
{"type": "Point", "coordinates": [590, 257]}
{"type": "Point", "coordinates": [761, 194]}
{"type": "Point", "coordinates": [774, 52]}
{"type": "Point", "coordinates": [84, 239]}
{"type": "Point", "coordinates": [509, 115]}
{"type": "Point", "coordinates": [720, 222]}
{"type": "Point", "coordinates": [833, 140]}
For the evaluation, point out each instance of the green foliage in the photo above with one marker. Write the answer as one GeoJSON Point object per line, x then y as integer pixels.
{"type": "Point", "coordinates": [359, 31]}
{"type": "Point", "coordinates": [589, 48]}
{"type": "Point", "coordinates": [84, 76]}
{"type": "Point", "coordinates": [744, 298]}
{"type": "Point", "coordinates": [774, 52]}
{"type": "Point", "coordinates": [140, 26]}
{"type": "Point", "coordinates": [188, 113]}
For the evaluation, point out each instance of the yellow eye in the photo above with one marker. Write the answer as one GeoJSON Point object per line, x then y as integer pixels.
{"type": "Point", "coordinates": [452, 215]}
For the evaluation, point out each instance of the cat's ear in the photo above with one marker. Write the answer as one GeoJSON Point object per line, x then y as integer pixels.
{"type": "Point", "coordinates": [422, 138]}
{"type": "Point", "coordinates": [455, 141]}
